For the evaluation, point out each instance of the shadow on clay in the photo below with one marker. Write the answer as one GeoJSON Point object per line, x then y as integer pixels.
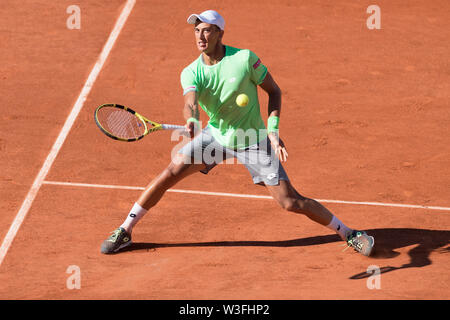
{"type": "Point", "coordinates": [386, 242]}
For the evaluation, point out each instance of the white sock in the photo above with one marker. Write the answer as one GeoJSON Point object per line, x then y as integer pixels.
{"type": "Point", "coordinates": [135, 214]}
{"type": "Point", "coordinates": [337, 226]}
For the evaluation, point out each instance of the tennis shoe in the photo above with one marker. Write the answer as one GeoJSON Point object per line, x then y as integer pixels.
{"type": "Point", "coordinates": [361, 242]}
{"type": "Point", "coordinates": [119, 239]}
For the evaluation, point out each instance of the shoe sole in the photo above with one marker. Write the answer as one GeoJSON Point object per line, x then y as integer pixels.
{"type": "Point", "coordinates": [371, 241]}
{"type": "Point", "coordinates": [123, 246]}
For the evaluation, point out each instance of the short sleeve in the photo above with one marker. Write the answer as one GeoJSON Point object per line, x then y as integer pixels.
{"type": "Point", "coordinates": [188, 81]}
{"type": "Point", "coordinates": [258, 70]}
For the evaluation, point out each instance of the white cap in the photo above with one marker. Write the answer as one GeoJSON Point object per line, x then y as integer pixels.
{"type": "Point", "coordinates": [208, 16]}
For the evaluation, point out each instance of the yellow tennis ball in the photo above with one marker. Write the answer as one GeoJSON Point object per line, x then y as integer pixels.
{"type": "Point", "coordinates": [242, 100]}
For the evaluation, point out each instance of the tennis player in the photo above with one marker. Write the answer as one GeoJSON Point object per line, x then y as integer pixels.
{"type": "Point", "coordinates": [213, 81]}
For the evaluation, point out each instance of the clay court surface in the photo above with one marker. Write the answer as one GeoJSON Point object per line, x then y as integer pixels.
{"type": "Point", "coordinates": [365, 118]}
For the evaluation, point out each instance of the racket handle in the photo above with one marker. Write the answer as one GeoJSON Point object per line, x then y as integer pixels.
{"type": "Point", "coordinates": [172, 127]}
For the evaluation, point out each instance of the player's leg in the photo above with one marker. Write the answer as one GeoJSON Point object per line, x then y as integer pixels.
{"type": "Point", "coordinates": [188, 160]}
{"type": "Point", "coordinates": [266, 169]}
{"type": "Point", "coordinates": [286, 195]}
{"type": "Point", "coordinates": [289, 199]}
{"type": "Point", "coordinates": [177, 170]}
{"type": "Point", "coordinates": [201, 154]}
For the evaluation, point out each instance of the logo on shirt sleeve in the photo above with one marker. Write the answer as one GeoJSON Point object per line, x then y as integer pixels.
{"type": "Point", "coordinates": [257, 63]}
{"type": "Point", "coordinates": [189, 89]}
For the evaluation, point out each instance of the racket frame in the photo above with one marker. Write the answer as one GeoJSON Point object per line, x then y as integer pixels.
{"type": "Point", "coordinates": [155, 126]}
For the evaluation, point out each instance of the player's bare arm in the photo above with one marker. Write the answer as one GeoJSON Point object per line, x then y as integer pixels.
{"type": "Point", "coordinates": [191, 111]}
{"type": "Point", "coordinates": [274, 109]}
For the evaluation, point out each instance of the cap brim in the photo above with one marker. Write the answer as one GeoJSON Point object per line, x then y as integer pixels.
{"type": "Point", "coordinates": [193, 18]}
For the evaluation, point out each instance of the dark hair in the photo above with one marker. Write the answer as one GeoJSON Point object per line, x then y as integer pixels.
{"type": "Point", "coordinates": [200, 21]}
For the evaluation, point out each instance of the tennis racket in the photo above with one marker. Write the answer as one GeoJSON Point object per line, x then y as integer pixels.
{"type": "Point", "coordinates": [121, 123]}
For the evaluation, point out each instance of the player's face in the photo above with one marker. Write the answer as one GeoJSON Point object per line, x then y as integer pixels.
{"type": "Point", "coordinates": [207, 36]}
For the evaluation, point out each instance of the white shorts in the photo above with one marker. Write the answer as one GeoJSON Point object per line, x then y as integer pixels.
{"type": "Point", "coordinates": [259, 159]}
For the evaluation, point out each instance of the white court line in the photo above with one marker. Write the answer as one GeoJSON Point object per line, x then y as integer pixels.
{"type": "Point", "coordinates": [236, 195]}
{"type": "Point", "coordinates": [14, 228]}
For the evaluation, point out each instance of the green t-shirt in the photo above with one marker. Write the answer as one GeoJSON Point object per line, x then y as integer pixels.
{"type": "Point", "coordinates": [217, 86]}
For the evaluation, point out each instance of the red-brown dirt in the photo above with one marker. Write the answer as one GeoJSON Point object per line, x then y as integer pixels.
{"type": "Point", "coordinates": [365, 117]}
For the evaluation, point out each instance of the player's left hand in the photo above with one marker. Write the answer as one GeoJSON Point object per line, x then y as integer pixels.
{"type": "Point", "coordinates": [279, 147]}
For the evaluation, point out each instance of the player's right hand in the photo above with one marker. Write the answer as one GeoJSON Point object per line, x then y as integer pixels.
{"type": "Point", "coordinates": [192, 128]}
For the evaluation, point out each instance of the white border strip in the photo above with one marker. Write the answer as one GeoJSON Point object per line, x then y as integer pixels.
{"type": "Point", "coordinates": [26, 205]}
{"type": "Point", "coordinates": [236, 195]}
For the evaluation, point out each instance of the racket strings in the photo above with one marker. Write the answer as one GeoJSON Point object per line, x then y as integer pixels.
{"type": "Point", "coordinates": [121, 123]}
